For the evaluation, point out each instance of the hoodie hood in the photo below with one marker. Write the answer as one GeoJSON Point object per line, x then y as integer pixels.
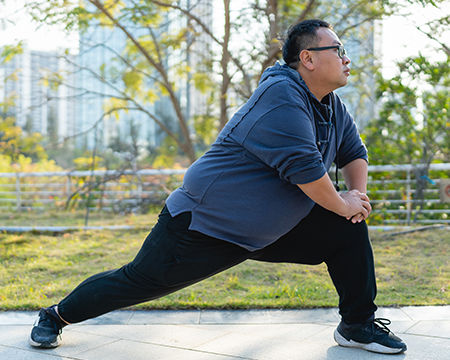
{"type": "Point", "coordinates": [284, 70]}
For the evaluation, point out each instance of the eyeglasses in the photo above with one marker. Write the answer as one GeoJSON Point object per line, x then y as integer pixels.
{"type": "Point", "coordinates": [340, 49]}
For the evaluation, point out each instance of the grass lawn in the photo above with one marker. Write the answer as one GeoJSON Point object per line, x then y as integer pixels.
{"type": "Point", "coordinates": [74, 218]}
{"type": "Point", "coordinates": [38, 270]}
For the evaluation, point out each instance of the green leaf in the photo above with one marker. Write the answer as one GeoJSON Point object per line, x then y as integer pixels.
{"type": "Point", "coordinates": [132, 79]}
{"type": "Point", "coordinates": [9, 51]}
{"type": "Point", "coordinates": [202, 82]}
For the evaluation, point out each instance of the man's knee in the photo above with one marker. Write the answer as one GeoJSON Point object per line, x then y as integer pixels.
{"type": "Point", "coordinates": [354, 234]}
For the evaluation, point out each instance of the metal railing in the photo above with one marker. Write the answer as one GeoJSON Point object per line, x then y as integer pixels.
{"type": "Point", "coordinates": [391, 189]}
{"type": "Point", "coordinates": [101, 189]}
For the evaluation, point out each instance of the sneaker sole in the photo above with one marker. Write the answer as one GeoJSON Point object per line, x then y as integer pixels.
{"type": "Point", "coordinates": [44, 345]}
{"type": "Point", "coordinates": [373, 347]}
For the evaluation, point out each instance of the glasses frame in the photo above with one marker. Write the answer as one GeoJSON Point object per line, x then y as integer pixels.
{"type": "Point", "coordinates": [340, 48]}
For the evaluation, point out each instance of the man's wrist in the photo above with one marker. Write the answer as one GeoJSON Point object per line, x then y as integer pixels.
{"type": "Point", "coordinates": [342, 207]}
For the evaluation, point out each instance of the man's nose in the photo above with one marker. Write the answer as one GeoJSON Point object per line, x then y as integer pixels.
{"type": "Point", "coordinates": [346, 60]}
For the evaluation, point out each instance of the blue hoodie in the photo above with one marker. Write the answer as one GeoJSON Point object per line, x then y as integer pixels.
{"type": "Point", "coordinates": [243, 189]}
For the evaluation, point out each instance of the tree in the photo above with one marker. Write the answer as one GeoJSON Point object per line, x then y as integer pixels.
{"type": "Point", "coordinates": [138, 75]}
{"type": "Point", "coordinates": [413, 123]}
{"type": "Point", "coordinates": [228, 72]}
{"type": "Point", "coordinates": [251, 38]}
{"type": "Point", "coordinates": [14, 142]}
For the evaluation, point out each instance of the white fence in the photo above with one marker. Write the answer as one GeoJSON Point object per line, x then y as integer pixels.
{"type": "Point", "coordinates": [101, 189]}
{"type": "Point", "coordinates": [392, 189]}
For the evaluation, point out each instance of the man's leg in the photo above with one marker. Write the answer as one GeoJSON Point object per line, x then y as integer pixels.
{"type": "Point", "coordinates": [172, 257]}
{"type": "Point", "coordinates": [345, 247]}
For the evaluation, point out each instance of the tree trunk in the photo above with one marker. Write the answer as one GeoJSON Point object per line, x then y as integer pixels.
{"type": "Point", "coordinates": [224, 66]}
{"type": "Point", "coordinates": [274, 47]}
{"type": "Point", "coordinates": [186, 145]}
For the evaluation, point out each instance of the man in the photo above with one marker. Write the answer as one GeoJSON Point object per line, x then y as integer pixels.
{"type": "Point", "coordinates": [261, 192]}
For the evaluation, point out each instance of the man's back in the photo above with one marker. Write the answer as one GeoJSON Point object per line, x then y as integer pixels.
{"type": "Point", "coordinates": [243, 190]}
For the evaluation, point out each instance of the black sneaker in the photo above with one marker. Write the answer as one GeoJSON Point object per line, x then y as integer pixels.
{"type": "Point", "coordinates": [47, 329]}
{"type": "Point", "coordinates": [372, 336]}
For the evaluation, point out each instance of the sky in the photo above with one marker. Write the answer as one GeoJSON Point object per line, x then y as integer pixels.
{"type": "Point", "coordinates": [400, 38]}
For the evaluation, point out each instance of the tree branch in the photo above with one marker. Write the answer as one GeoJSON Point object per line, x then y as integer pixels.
{"type": "Point", "coordinates": [133, 101]}
{"type": "Point", "coordinates": [186, 146]}
{"type": "Point", "coordinates": [431, 37]}
{"type": "Point", "coordinates": [236, 61]}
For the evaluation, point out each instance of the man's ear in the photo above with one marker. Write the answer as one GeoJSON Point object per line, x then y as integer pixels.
{"type": "Point", "coordinates": [306, 59]}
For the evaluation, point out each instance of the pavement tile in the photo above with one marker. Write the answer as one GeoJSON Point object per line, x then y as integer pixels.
{"type": "Point", "coordinates": [186, 336]}
{"type": "Point", "coordinates": [393, 314]}
{"type": "Point", "coordinates": [165, 317]}
{"type": "Point", "coordinates": [419, 348]}
{"type": "Point", "coordinates": [121, 317]}
{"type": "Point", "coordinates": [426, 348]}
{"type": "Point", "coordinates": [18, 317]}
{"type": "Point", "coordinates": [248, 346]}
{"type": "Point", "coordinates": [399, 327]}
{"type": "Point", "coordinates": [320, 346]}
{"type": "Point", "coordinates": [267, 332]}
{"type": "Point", "coordinates": [269, 316]}
{"type": "Point", "coordinates": [124, 349]}
{"type": "Point", "coordinates": [73, 343]}
{"type": "Point", "coordinates": [275, 347]}
{"type": "Point", "coordinates": [210, 334]}
{"type": "Point", "coordinates": [427, 312]}
{"type": "Point", "coordinates": [431, 328]}
{"type": "Point", "coordinates": [14, 335]}
{"type": "Point", "coordinates": [9, 353]}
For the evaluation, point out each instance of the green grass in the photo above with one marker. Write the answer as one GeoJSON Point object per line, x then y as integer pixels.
{"type": "Point", "coordinates": [38, 270]}
{"type": "Point", "coordinates": [55, 217]}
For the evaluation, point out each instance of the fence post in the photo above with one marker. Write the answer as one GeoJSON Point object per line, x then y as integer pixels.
{"type": "Point", "coordinates": [68, 185]}
{"type": "Point", "coordinates": [408, 196]}
{"type": "Point", "coordinates": [18, 200]}
{"type": "Point", "coordinates": [139, 188]}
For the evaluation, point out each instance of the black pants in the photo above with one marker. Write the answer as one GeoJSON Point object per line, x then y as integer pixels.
{"type": "Point", "coordinates": [173, 257]}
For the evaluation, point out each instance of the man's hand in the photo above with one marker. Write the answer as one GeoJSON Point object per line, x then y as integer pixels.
{"type": "Point", "coordinates": [357, 218]}
{"type": "Point", "coordinates": [355, 199]}
{"type": "Point", "coordinates": [355, 175]}
{"type": "Point", "coordinates": [348, 204]}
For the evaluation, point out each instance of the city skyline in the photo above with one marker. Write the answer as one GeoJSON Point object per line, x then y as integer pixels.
{"type": "Point", "coordinates": [400, 37]}
{"type": "Point", "coordinates": [90, 108]}
{"type": "Point", "coordinates": [91, 87]}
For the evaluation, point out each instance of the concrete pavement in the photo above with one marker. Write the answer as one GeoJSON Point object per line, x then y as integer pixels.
{"type": "Point", "coordinates": [221, 335]}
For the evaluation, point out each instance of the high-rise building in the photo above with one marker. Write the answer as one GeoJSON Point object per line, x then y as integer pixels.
{"type": "Point", "coordinates": [359, 94]}
{"type": "Point", "coordinates": [14, 87]}
{"type": "Point", "coordinates": [99, 46]}
{"type": "Point", "coordinates": [39, 104]}
{"type": "Point", "coordinates": [192, 100]}
{"type": "Point", "coordinates": [101, 59]}
{"type": "Point", "coordinates": [94, 76]}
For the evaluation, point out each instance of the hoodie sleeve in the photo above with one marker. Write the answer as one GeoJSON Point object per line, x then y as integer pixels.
{"type": "Point", "coordinates": [351, 146]}
{"type": "Point", "coordinates": [283, 139]}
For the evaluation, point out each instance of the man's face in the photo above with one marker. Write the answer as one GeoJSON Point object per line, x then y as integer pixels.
{"type": "Point", "coordinates": [330, 70]}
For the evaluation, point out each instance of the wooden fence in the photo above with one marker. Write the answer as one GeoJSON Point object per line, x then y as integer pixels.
{"type": "Point", "coordinates": [392, 189]}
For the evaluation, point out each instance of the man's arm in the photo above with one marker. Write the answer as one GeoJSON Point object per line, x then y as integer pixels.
{"type": "Point", "coordinates": [347, 204]}
{"type": "Point", "coordinates": [355, 176]}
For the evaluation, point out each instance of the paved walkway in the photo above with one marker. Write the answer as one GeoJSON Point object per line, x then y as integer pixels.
{"type": "Point", "coordinates": [220, 335]}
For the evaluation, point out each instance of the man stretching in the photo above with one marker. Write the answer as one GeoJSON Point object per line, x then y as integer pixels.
{"type": "Point", "coordinates": [261, 192]}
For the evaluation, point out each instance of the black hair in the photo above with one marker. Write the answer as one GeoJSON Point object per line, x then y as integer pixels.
{"type": "Point", "coordinates": [299, 37]}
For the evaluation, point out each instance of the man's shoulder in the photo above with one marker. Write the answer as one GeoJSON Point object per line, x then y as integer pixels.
{"type": "Point", "coordinates": [285, 88]}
